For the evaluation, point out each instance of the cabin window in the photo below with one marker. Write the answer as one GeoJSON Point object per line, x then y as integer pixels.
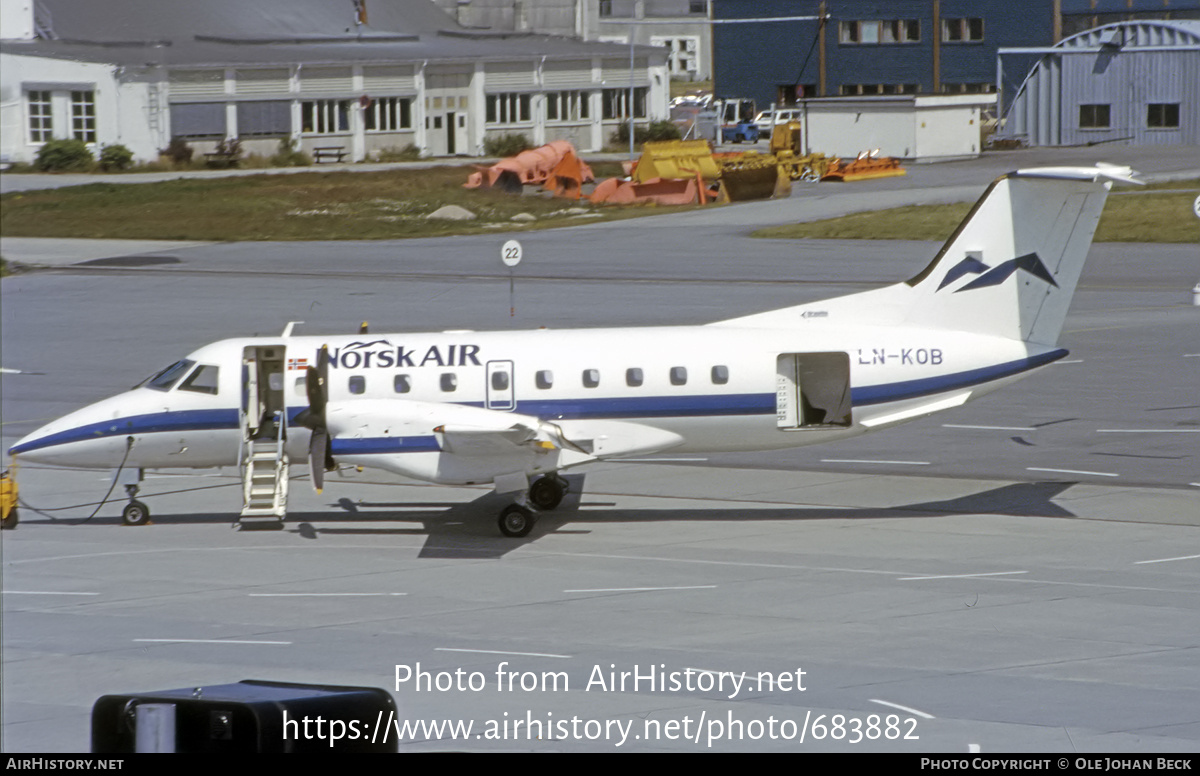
{"type": "Point", "coordinates": [720, 375]}
{"type": "Point", "coordinates": [499, 381]}
{"type": "Point", "coordinates": [203, 380]}
{"type": "Point", "coordinates": [300, 388]}
{"type": "Point", "coordinates": [544, 379]}
{"type": "Point", "coordinates": [358, 384]}
{"type": "Point", "coordinates": [449, 382]}
{"type": "Point", "coordinates": [634, 377]}
{"type": "Point", "coordinates": [679, 375]}
{"type": "Point", "coordinates": [169, 376]}
{"type": "Point", "coordinates": [402, 383]}
{"type": "Point", "coordinates": [591, 378]}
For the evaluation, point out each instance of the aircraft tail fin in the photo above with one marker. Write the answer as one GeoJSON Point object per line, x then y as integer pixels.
{"type": "Point", "coordinates": [1011, 267]}
{"type": "Point", "coordinates": [1008, 270]}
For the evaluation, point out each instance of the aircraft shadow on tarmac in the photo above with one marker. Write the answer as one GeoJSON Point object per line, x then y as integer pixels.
{"type": "Point", "coordinates": [468, 529]}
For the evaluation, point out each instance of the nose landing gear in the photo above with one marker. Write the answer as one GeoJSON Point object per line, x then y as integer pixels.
{"type": "Point", "coordinates": [135, 512]}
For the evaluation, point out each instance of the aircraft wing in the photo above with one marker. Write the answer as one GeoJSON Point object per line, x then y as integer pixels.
{"type": "Point", "coordinates": [463, 430]}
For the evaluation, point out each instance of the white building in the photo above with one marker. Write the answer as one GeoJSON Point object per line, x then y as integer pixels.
{"type": "Point", "coordinates": [921, 128]}
{"type": "Point", "coordinates": [360, 77]}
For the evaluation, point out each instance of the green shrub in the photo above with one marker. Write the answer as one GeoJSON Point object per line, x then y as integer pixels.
{"type": "Point", "coordinates": [115, 157]}
{"type": "Point", "coordinates": [178, 151]}
{"type": "Point", "coordinates": [657, 130]}
{"type": "Point", "coordinates": [289, 155]}
{"type": "Point", "coordinates": [227, 154]}
{"type": "Point", "coordinates": [409, 153]}
{"type": "Point", "coordinates": [505, 145]}
{"type": "Point", "coordinates": [65, 156]}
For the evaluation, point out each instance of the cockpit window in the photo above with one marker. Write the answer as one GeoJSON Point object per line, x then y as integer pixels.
{"type": "Point", "coordinates": [203, 380]}
{"type": "Point", "coordinates": [169, 376]}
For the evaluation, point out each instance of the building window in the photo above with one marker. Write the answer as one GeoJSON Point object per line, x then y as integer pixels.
{"type": "Point", "coordinates": [566, 106]}
{"type": "Point", "coordinates": [41, 125]}
{"type": "Point", "coordinates": [270, 118]}
{"type": "Point", "coordinates": [971, 88]}
{"type": "Point", "coordinates": [388, 114]}
{"type": "Point", "coordinates": [83, 116]}
{"type": "Point", "coordinates": [1162, 115]}
{"type": "Point", "coordinates": [1093, 117]}
{"type": "Point", "coordinates": [901, 31]}
{"type": "Point", "coordinates": [682, 53]}
{"type": "Point", "coordinates": [202, 120]}
{"type": "Point", "coordinates": [616, 103]}
{"type": "Point", "coordinates": [962, 30]}
{"type": "Point", "coordinates": [509, 108]}
{"type": "Point", "coordinates": [850, 90]}
{"type": "Point", "coordinates": [324, 117]}
{"type": "Point", "coordinates": [880, 31]}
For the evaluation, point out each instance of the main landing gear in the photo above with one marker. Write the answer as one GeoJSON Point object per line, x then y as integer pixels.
{"type": "Point", "coordinates": [135, 512]}
{"type": "Point", "coordinates": [546, 493]}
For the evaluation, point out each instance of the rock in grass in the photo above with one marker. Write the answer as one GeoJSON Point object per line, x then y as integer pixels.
{"type": "Point", "coordinates": [453, 213]}
{"type": "Point", "coordinates": [524, 217]}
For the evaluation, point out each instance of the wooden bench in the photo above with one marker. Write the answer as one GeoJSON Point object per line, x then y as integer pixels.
{"type": "Point", "coordinates": [328, 154]}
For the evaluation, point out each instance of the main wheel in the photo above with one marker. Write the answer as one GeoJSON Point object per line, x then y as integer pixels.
{"type": "Point", "coordinates": [10, 522]}
{"type": "Point", "coordinates": [516, 521]}
{"type": "Point", "coordinates": [547, 492]}
{"type": "Point", "coordinates": [135, 513]}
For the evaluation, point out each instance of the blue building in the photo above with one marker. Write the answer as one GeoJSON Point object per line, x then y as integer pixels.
{"type": "Point", "coordinates": [882, 47]}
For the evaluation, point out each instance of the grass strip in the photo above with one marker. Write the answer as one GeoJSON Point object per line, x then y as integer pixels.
{"type": "Point", "coordinates": [1162, 213]}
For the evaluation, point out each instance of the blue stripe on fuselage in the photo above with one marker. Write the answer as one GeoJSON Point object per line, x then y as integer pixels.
{"type": "Point", "coordinates": [710, 405]}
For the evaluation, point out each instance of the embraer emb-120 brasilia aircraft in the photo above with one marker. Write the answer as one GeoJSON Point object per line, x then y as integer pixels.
{"type": "Point", "coordinates": [516, 408]}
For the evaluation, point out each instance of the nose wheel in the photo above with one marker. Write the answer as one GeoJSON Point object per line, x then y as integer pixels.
{"type": "Point", "coordinates": [135, 512]}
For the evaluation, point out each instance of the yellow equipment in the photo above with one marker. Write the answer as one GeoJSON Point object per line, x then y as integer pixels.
{"type": "Point", "coordinates": [865, 167]}
{"type": "Point", "coordinates": [8, 501]}
{"type": "Point", "coordinates": [675, 159]}
{"type": "Point", "coordinates": [787, 147]}
{"type": "Point", "coordinates": [751, 175]}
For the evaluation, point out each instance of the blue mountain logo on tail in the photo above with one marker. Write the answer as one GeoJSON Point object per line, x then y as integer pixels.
{"type": "Point", "coordinates": [994, 276]}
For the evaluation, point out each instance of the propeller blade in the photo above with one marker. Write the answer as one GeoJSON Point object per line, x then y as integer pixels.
{"type": "Point", "coordinates": [320, 448]}
{"type": "Point", "coordinates": [318, 457]}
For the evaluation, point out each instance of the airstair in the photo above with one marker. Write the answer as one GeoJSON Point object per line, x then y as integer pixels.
{"type": "Point", "coordinates": [264, 477]}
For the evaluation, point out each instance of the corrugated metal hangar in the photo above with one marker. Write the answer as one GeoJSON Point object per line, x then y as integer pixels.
{"type": "Point", "coordinates": [359, 75]}
{"type": "Point", "coordinates": [1137, 82]}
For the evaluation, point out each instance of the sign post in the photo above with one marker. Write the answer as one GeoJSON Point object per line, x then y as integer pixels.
{"type": "Point", "coordinates": [510, 254]}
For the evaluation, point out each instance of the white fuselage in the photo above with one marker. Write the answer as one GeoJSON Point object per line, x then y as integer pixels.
{"type": "Point", "coordinates": [711, 388]}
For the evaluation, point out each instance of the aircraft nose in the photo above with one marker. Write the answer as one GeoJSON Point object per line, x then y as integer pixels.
{"type": "Point", "coordinates": [86, 437]}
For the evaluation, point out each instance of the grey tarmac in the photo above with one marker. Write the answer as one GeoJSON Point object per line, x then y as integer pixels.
{"type": "Point", "coordinates": [1022, 574]}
